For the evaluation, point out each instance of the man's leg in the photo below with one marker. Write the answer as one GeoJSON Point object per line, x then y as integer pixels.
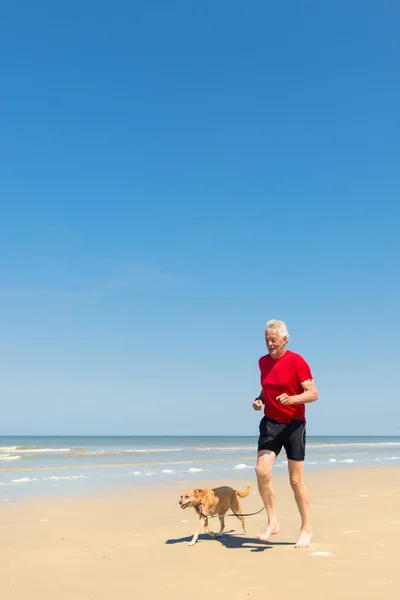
{"type": "Point", "coordinates": [296, 474]}
{"type": "Point", "coordinates": [265, 462]}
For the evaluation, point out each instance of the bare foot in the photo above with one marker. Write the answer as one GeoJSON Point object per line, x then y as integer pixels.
{"type": "Point", "coordinates": [271, 530]}
{"type": "Point", "coordinates": [305, 539]}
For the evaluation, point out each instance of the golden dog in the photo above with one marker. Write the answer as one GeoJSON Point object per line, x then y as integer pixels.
{"type": "Point", "coordinates": [209, 502]}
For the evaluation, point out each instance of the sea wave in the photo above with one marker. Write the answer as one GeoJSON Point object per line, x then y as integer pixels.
{"type": "Point", "coordinates": [356, 445]}
{"type": "Point", "coordinates": [223, 448]}
{"type": "Point", "coordinates": [125, 451]}
{"type": "Point", "coordinates": [65, 477]}
{"type": "Point", "coordinates": [32, 449]}
{"type": "Point", "coordinates": [9, 457]}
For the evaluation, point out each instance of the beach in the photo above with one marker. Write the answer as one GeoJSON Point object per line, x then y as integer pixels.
{"type": "Point", "coordinates": [134, 541]}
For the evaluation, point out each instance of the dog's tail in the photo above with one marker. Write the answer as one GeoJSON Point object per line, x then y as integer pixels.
{"type": "Point", "coordinates": [245, 493]}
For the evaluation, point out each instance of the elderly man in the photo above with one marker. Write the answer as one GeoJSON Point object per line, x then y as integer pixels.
{"type": "Point", "coordinates": [287, 385]}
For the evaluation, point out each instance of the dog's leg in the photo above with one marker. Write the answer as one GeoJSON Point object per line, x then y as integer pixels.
{"type": "Point", "coordinates": [222, 527]}
{"type": "Point", "coordinates": [206, 529]}
{"type": "Point", "coordinates": [196, 533]}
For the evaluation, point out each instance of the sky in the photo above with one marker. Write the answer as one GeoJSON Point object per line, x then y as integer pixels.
{"type": "Point", "coordinates": [174, 174]}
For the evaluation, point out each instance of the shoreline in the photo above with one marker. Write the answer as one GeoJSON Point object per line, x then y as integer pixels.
{"type": "Point", "coordinates": [50, 466]}
{"type": "Point", "coordinates": [195, 480]}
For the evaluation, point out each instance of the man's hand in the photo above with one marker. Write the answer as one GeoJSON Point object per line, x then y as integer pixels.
{"type": "Point", "coordinates": [258, 404]}
{"type": "Point", "coordinates": [285, 400]}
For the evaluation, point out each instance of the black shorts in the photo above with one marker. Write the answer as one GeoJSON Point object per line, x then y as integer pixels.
{"type": "Point", "coordinates": [291, 436]}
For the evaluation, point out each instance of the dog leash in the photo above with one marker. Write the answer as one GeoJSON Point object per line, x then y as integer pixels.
{"type": "Point", "coordinates": [200, 512]}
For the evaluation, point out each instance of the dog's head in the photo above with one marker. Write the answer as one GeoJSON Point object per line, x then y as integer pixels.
{"type": "Point", "coordinates": [190, 498]}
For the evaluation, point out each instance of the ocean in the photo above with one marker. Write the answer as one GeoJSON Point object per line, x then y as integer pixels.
{"type": "Point", "coordinates": [39, 466]}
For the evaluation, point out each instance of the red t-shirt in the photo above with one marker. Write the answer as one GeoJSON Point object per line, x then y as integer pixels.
{"type": "Point", "coordinates": [279, 376]}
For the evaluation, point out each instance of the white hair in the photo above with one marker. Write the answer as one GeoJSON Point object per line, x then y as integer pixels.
{"type": "Point", "coordinates": [279, 326]}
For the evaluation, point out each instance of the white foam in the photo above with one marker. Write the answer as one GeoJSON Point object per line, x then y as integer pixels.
{"type": "Point", "coordinates": [320, 553]}
{"type": "Point", "coordinates": [225, 448]}
{"type": "Point", "coordinates": [347, 460]}
{"type": "Point", "coordinates": [23, 480]}
{"type": "Point", "coordinates": [332, 460]}
{"type": "Point", "coordinates": [9, 457]}
{"type": "Point", "coordinates": [126, 451]}
{"type": "Point", "coordinates": [241, 466]}
{"type": "Point", "coordinates": [146, 450]}
{"type": "Point", "coordinates": [56, 478]}
{"type": "Point", "coordinates": [168, 471]}
{"type": "Point", "coordinates": [356, 445]}
{"type": "Point", "coordinates": [40, 450]}
{"type": "Point", "coordinates": [194, 470]}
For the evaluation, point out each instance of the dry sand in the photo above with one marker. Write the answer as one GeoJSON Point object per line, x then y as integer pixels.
{"type": "Point", "coordinates": [136, 543]}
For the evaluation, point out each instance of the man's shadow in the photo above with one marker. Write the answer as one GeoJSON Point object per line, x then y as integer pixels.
{"type": "Point", "coordinates": [232, 541]}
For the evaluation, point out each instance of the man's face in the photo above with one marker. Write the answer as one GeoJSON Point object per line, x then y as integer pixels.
{"type": "Point", "coordinates": [275, 343]}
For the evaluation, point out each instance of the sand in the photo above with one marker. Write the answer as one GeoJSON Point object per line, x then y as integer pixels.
{"type": "Point", "coordinates": [133, 542]}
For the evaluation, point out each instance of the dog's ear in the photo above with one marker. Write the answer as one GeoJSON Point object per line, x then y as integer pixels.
{"type": "Point", "coordinates": [197, 493]}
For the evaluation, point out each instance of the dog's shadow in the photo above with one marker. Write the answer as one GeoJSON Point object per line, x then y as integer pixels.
{"type": "Point", "coordinates": [232, 541]}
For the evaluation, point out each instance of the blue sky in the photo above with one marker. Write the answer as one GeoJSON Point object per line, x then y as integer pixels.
{"type": "Point", "coordinates": [172, 175]}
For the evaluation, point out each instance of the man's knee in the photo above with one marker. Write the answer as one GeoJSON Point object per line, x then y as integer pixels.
{"type": "Point", "coordinates": [296, 481]}
{"type": "Point", "coordinates": [263, 471]}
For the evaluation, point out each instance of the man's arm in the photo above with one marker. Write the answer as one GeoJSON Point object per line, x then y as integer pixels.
{"type": "Point", "coordinates": [310, 394]}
